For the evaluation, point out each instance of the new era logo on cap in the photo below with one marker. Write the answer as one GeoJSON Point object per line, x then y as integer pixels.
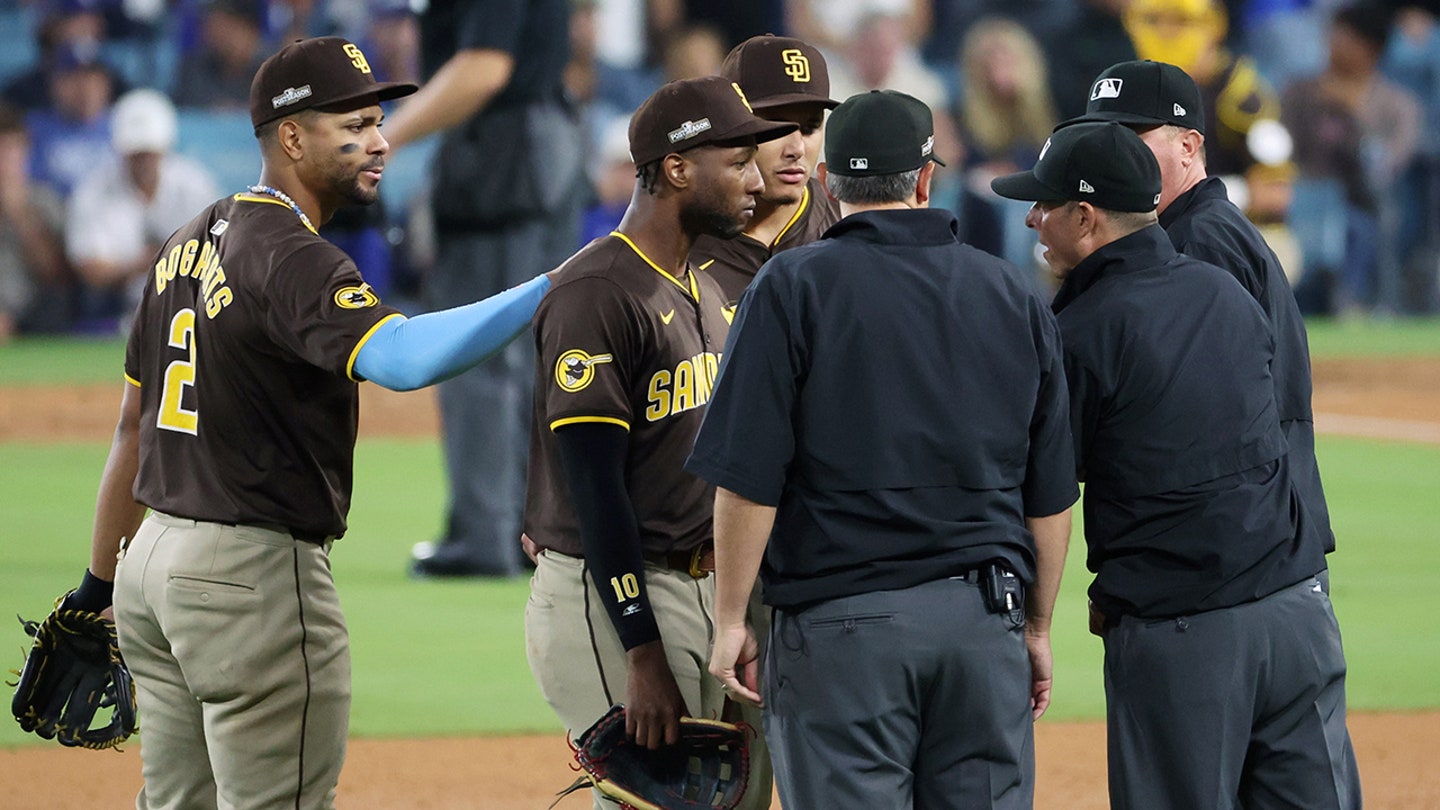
{"type": "Point", "coordinates": [1106, 88]}
{"type": "Point", "coordinates": [1086, 188]}
{"type": "Point", "coordinates": [1179, 111]}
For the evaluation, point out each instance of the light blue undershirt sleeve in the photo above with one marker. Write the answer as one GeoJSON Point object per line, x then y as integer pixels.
{"type": "Point", "coordinates": [409, 353]}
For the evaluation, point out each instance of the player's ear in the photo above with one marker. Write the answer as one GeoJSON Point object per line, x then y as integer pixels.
{"type": "Point", "coordinates": [922, 185]}
{"type": "Point", "coordinates": [675, 170]}
{"type": "Point", "coordinates": [288, 136]}
{"type": "Point", "coordinates": [821, 172]}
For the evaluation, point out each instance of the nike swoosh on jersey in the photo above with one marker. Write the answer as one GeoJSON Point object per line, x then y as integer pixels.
{"type": "Point", "coordinates": [667, 317]}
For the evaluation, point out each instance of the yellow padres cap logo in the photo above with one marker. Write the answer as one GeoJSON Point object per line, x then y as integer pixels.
{"type": "Point", "coordinates": [356, 297]}
{"type": "Point", "coordinates": [741, 94]}
{"type": "Point", "coordinates": [357, 58]}
{"type": "Point", "coordinates": [576, 368]}
{"type": "Point", "coordinates": [797, 64]}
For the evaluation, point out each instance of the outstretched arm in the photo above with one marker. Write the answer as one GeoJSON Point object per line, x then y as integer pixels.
{"type": "Point", "coordinates": [404, 354]}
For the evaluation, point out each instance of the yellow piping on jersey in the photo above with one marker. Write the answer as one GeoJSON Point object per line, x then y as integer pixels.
{"type": "Point", "coordinates": [242, 197]}
{"type": "Point", "coordinates": [707, 264]}
{"type": "Point", "coordinates": [132, 381]}
{"type": "Point", "coordinates": [804, 203]}
{"type": "Point", "coordinates": [694, 289]}
{"type": "Point", "coordinates": [577, 420]}
{"type": "Point", "coordinates": [355, 352]}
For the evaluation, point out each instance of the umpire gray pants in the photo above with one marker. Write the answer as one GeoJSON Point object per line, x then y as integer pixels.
{"type": "Point", "coordinates": [898, 699]}
{"type": "Point", "coordinates": [485, 412]}
{"type": "Point", "coordinates": [1242, 707]}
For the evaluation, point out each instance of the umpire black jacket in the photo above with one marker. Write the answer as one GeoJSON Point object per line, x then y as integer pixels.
{"type": "Point", "coordinates": [1203, 223]}
{"type": "Point", "coordinates": [1189, 504]}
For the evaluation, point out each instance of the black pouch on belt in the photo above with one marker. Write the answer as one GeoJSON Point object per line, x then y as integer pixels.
{"type": "Point", "coordinates": [1004, 592]}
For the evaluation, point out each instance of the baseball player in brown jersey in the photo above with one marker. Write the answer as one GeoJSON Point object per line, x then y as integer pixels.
{"type": "Point", "coordinates": [628, 343]}
{"type": "Point", "coordinates": [237, 429]}
{"type": "Point", "coordinates": [785, 79]}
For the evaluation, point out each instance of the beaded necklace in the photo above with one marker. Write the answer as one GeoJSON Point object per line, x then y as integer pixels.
{"type": "Point", "coordinates": [285, 198]}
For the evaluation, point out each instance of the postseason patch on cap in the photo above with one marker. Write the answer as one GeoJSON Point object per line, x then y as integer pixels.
{"type": "Point", "coordinates": [290, 96]}
{"type": "Point", "coordinates": [688, 130]}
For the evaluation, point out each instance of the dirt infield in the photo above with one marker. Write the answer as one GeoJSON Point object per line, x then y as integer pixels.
{"type": "Point", "coordinates": [1394, 399]}
{"type": "Point", "coordinates": [1396, 753]}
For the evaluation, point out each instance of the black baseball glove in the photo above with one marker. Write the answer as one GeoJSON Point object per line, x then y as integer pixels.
{"type": "Point", "coordinates": [708, 768]}
{"type": "Point", "coordinates": [73, 671]}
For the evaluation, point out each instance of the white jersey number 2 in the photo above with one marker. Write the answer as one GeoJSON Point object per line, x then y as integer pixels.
{"type": "Point", "coordinates": [179, 375]}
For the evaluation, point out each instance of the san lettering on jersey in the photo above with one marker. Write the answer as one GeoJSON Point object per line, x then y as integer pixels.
{"type": "Point", "coordinates": [685, 388]}
{"type": "Point", "coordinates": [200, 261]}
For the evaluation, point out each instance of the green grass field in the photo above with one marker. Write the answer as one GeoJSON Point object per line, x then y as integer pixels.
{"type": "Point", "coordinates": [449, 658]}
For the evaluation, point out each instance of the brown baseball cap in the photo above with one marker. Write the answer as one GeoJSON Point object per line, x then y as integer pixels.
{"type": "Point", "coordinates": [775, 71]}
{"type": "Point", "coordinates": [695, 112]}
{"type": "Point", "coordinates": [325, 73]}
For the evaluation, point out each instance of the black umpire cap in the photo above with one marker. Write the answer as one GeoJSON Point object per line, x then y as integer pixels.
{"type": "Point", "coordinates": [879, 132]}
{"type": "Point", "coordinates": [1102, 163]}
{"type": "Point", "coordinates": [323, 73]}
{"type": "Point", "coordinates": [1144, 93]}
{"type": "Point", "coordinates": [688, 113]}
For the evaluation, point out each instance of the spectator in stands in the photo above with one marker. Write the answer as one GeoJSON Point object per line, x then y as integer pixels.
{"type": "Point", "coordinates": [695, 51]}
{"type": "Point", "coordinates": [1412, 61]}
{"type": "Point", "coordinates": [1352, 124]}
{"type": "Point", "coordinates": [612, 177]}
{"type": "Point", "coordinates": [1191, 35]}
{"type": "Point", "coordinates": [71, 137]}
{"type": "Point", "coordinates": [1078, 52]}
{"type": "Point", "coordinates": [833, 27]}
{"type": "Point", "coordinates": [1006, 111]}
{"type": "Point", "coordinates": [63, 22]}
{"type": "Point", "coordinates": [217, 74]}
{"type": "Point", "coordinates": [391, 41]}
{"type": "Point", "coordinates": [34, 281]}
{"type": "Point", "coordinates": [120, 215]}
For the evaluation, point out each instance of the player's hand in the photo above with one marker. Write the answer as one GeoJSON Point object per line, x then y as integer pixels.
{"type": "Point", "coordinates": [653, 703]}
{"type": "Point", "coordinates": [734, 660]}
{"type": "Point", "coordinates": [530, 548]}
{"type": "Point", "coordinates": [1042, 670]}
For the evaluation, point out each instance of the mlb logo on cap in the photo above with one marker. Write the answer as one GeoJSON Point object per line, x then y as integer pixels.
{"type": "Point", "coordinates": [859, 164]}
{"type": "Point", "coordinates": [1106, 88]}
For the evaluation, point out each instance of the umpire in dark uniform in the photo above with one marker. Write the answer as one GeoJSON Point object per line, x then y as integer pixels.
{"type": "Point", "coordinates": [890, 431]}
{"type": "Point", "coordinates": [1162, 104]}
{"type": "Point", "coordinates": [1224, 676]}
{"type": "Point", "coordinates": [505, 197]}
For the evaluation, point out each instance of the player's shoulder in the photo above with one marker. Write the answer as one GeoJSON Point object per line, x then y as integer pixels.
{"type": "Point", "coordinates": [600, 274]}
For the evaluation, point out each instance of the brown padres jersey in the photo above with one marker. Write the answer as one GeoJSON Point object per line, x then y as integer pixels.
{"type": "Point", "coordinates": [243, 347]}
{"type": "Point", "coordinates": [733, 262]}
{"type": "Point", "coordinates": [619, 340]}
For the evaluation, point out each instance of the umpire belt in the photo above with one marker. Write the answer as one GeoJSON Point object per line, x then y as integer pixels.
{"type": "Point", "coordinates": [698, 562]}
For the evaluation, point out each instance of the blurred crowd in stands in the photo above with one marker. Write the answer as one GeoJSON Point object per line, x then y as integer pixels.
{"type": "Point", "coordinates": [120, 119]}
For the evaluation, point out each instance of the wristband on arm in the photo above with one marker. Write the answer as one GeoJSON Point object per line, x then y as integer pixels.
{"type": "Point", "coordinates": [593, 455]}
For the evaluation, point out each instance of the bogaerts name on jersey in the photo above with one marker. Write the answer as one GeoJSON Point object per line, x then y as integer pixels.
{"type": "Point", "coordinates": [182, 261]}
{"type": "Point", "coordinates": [686, 388]}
